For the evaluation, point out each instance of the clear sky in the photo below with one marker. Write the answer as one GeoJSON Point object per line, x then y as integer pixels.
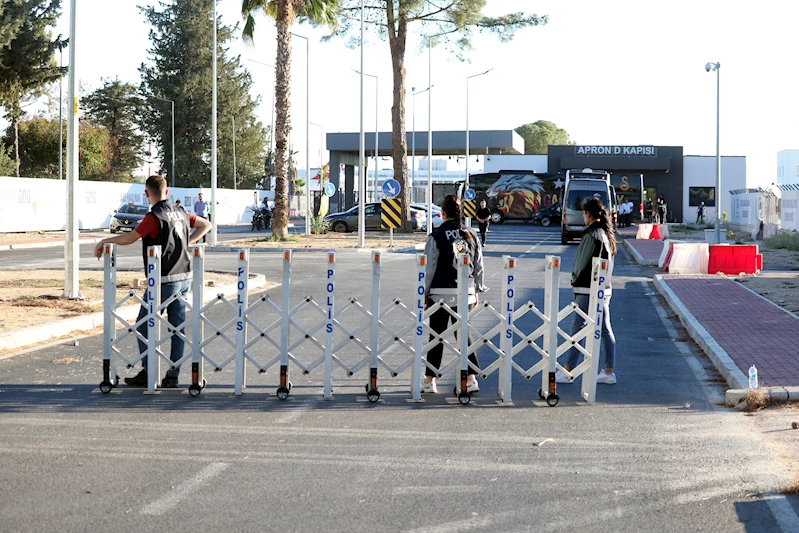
{"type": "Point", "coordinates": [611, 72]}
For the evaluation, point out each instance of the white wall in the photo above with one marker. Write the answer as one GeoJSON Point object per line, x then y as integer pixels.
{"type": "Point", "coordinates": [700, 171]}
{"type": "Point", "coordinates": [536, 163]}
{"type": "Point", "coordinates": [787, 167]}
{"type": "Point", "coordinates": [789, 210]}
{"type": "Point", "coordinates": [28, 204]}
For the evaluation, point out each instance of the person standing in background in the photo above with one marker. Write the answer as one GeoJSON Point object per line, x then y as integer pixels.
{"type": "Point", "coordinates": [201, 209]}
{"type": "Point", "coordinates": [700, 213]}
{"type": "Point", "coordinates": [483, 216]}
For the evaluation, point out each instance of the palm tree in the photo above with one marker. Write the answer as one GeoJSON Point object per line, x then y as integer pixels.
{"type": "Point", "coordinates": [284, 12]}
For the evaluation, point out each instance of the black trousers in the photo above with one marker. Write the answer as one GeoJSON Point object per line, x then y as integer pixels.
{"type": "Point", "coordinates": [439, 321]}
{"type": "Point", "coordinates": [483, 230]}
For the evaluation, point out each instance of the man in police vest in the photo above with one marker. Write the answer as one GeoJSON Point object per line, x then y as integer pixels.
{"type": "Point", "coordinates": [166, 226]}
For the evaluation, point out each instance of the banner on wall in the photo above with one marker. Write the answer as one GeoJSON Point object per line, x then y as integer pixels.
{"type": "Point", "coordinates": [28, 204]}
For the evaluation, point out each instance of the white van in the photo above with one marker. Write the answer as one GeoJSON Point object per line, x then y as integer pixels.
{"type": "Point", "coordinates": [581, 186]}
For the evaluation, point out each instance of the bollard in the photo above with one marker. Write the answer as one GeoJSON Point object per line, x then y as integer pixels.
{"type": "Point", "coordinates": [463, 324]}
{"type": "Point", "coordinates": [110, 378]}
{"type": "Point", "coordinates": [595, 311]}
{"type": "Point", "coordinates": [372, 393]}
{"type": "Point", "coordinates": [508, 294]}
{"type": "Point", "coordinates": [198, 288]}
{"type": "Point", "coordinates": [284, 388]}
{"type": "Point", "coordinates": [416, 378]}
{"type": "Point", "coordinates": [242, 281]}
{"type": "Point", "coordinates": [548, 390]}
{"type": "Point", "coordinates": [330, 292]}
{"type": "Point", "coordinates": [153, 325]}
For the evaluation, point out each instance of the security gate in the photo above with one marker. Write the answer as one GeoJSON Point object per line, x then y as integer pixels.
{"type": "Point", "coordinates": [313, 336]}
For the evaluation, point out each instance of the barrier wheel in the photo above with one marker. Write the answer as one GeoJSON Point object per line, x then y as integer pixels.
{"type": "Point", "coordinates": [195, 390]}
{"type": "Point", "coordinates": [541, 394]}
{"type": "Point", "coordinates": [464, 398]}
{"type": "Point", "coordinates": [373, 395]}
{"type": "Point", "coordinates": [552, 400]}
{"type": "Point", "coordinates": [105, 387]}
{"type": "Point", "coordinates": [282, 393]}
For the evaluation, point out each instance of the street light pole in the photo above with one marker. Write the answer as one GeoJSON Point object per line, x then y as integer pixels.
{"type": "Point", "coordinates": [430, 131]}
{"type": "Point", "coordinates": [213, 131]}
{"type": "Point", "coordinates": [413, 140]}
{"type": "Point", "coordinates": [173, 134]}
{"type": "Point", "coordinates": [374, 172]}
{"type": "Point", "coordinates": [717, 67]}
{"type": "Point", "coordinates": [61, 46]}
{"type": "Point", "coordinates": [362, 156]}
{"type": "Point", "coordinates": [71, 248]}
{"type": "Point", "coordinates": [466, 184]}
{"type": "Point", "coordinates": [307, 133]}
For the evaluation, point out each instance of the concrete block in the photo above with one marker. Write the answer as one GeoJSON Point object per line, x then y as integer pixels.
{"type": "Point", "coordinates": [777, 395]}
{"type": "Point", "coordinates": [734, 396]}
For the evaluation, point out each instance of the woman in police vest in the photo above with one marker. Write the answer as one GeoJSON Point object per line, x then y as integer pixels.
{"type": "Point", "coordinates": [598, 241]}
{"type": "Point", "coordinates": [441, 281]}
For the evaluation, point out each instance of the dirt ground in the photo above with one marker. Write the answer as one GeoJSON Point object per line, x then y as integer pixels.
{"type": "Point", "coordinates": [332, 240]}
{"type": "Point", "coordinates": [29, 297]}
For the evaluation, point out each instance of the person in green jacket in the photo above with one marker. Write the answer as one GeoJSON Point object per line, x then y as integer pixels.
{"type": "Point", "coordinates": [598, 241]}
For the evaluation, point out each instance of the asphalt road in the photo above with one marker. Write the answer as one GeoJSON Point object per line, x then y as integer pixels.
{"type": "Point", "coordinates": [655, 453]}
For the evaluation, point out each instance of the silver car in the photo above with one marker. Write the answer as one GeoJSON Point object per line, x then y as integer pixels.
{"type": "Point", "coordinates": [347, 221]}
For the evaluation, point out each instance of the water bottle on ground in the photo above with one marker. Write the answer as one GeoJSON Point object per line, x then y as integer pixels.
{"type": "Point", "coordinates": [752, 377]}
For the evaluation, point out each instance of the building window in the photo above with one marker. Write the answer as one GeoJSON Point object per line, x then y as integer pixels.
{"type": "Point", "coordinates": [797, 172]}
{"type": "Point", "coordinates": [696, 195]}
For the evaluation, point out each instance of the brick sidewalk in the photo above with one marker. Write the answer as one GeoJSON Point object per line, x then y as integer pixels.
{"type": "Point", "coordinates": [749, 328]}
{"type": "Point", "coordinates": [649, 249]}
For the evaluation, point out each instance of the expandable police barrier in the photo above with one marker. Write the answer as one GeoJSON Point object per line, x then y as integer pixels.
{"type": "Point", "coordinates": [389, 335]}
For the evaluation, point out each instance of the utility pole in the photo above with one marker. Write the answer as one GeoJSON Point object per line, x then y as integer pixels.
{"type": "Point", "coordinates": [71, 243]}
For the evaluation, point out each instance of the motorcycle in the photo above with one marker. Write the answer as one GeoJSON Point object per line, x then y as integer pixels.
{"type": "Point", "coordinates": [261, 218]}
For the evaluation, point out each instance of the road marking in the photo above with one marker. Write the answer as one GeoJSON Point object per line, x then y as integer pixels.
{"type": "Point", "coordinates": [166, 503]}
{"type": "Point", "coordinates": [435, 489]}
{"type": "Point", "coordinates": [454, 527]}
{"type": "Point", "coordinates": [295, 413]}
{"type": "Point", "coordinates": [783, 512]}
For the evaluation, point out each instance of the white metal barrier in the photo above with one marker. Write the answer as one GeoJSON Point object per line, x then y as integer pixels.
{"type": "Point", "coordinates": [350, 337]}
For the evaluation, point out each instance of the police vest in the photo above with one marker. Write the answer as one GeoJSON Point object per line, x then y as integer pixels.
{"type": "Point", "coordinates": [450, 242]}
{"type": "Point", "coordinates": [173, 238]}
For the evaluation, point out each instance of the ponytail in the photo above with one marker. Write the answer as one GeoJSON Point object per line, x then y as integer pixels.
{"type": "Point", "coordinates": [597, 211]}
{"type": "Point", "coordinates": [451, 206]}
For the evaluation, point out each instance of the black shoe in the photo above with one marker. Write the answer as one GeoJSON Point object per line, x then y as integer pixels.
{"type": "Point", "coordinates": [169, 382]}
{"type": "Point", "coordinates": [139, 380]}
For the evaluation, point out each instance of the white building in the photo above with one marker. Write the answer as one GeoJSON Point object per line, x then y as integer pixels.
{"type": "Point", "coordinates": [787, 167]}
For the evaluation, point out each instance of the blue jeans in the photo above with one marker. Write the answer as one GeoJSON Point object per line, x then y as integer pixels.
{"type": "Point", "coordinates": [176, 315]}
{"type": "Point", "coordinates": [608, 338]}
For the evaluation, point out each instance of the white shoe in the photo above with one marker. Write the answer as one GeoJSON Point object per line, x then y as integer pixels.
{"type": "Point", "coordinates": [560, 377]}
{"type": "Point", "coordinates": [606, 379]}
{"type": "Point", "coordinates": [472, 386]}
{"type": "Point", "coordinates": [429, 388]}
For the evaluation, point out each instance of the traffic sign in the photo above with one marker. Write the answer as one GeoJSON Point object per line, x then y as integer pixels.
{"type": "Point", "coordinates": [391, 188]}
{"type": "Point", "coordinates": [390, 216]}
{"type": "Point", "coordinates": [470, 209]}
{"type": "Point", "coordinates": [470, 194]}
{"type": "Point", "coordinates": [330, 189]}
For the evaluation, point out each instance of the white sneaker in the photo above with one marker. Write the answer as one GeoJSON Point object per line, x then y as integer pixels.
{"type": "Point", "coordinates": [429, 388]}
{"type": "Point", "coordinates": [606, 379]}
{"type": "Point", "coordinates": [560, 377]}
{"type": "Point", "coordinates": [472, 386]}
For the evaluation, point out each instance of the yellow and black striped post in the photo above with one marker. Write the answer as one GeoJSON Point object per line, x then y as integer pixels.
{"type": "Point", "coordinates": [469, 209]}
{"type": "Point", "coordinates": [391, 213]}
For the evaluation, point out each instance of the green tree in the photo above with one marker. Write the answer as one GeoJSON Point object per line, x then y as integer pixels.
{"type": "Point", "coordinates": [540, 134]}
{"type": "Point", "coordinates": [180, 70]}
{"type": "Point", "coordinates": [116, 106]}
{"type": "Point", "coordinates": [453, 22]}
{"type": "Point", "coordinates": [27, 62]}
{"type": "Point", "coordinates": [38, 141]}
{"type": "Point", "coordinates": [7, 165]}
{"type": "Point", "coordinates": [284, 12]}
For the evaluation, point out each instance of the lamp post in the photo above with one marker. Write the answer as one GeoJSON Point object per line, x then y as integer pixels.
{"type": "Point", "coordinates": [272, 131]}
{"type": "Point", "coordinates": [362, 157]}
{"type": "Point", "coordinates": [61, 45]}
{"type": "Point", "coordinates": [717, 68]}
{"type": "Point", "coordinates": [307, 133]}
{"type": "Point", "coordinates": [173, 134]}
{"type": "Point", "coordinates": [466, 183]}
{"type": "Point", "coordinates": [71, 245]}
{"type": "Point", "coordinates": [374, 173]}
{"type": "Point", "coordinates": [321, 148]}
{"type": "Point", "coordinates": [233, 122]}
{"type": "Point", "coordinates": [213, 130]}
{"type": "Point", "coordinates": [430, 131]}
{"type": "Point", "coordinates": [413, 140]}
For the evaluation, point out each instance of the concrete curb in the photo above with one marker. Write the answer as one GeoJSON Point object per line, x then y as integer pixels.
{"type": "Point", "coordinates": [47, 244]}
{"type": "Point", "coordinates": [773, 395]}
{"type": "Point", "coordinates": [724, 363]}
{"type": "Point", "coordinates": [638, 257]}
{"type": "Point", "coordinates": [21, 338]}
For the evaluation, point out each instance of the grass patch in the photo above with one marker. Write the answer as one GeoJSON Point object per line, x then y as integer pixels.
{"type": "Point", "coordinates": [277, 238]}
{"type": "Point", "coordinates": [754, 400]}
{"type": "Point", "coordinates": [785, 241]}
{"type": "Point", "coordinates": [689, 228]}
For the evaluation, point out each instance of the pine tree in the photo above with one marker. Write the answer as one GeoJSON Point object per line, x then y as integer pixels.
{"type": "Point", "coordinates": [27, 62]}
{"type": "Point", "coordinates": [180, 70]}
{"type": "Point", "coordinates": [115, 106]}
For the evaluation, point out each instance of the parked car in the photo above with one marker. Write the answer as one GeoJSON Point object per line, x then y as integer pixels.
{"type": "Point", "coordinates": [437, 220]}
{"type": "Point", "coordinates": [347, 221]}
{"type": "Point", "coordinates": [128, 217]}
{"type": "Point", "coordinates": [551, 214]}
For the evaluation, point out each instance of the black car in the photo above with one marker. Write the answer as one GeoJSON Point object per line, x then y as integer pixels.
{"type": "Point", "coordinates": [547, 216]}
{"type": "Point", "coordinates": [128, 217]}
